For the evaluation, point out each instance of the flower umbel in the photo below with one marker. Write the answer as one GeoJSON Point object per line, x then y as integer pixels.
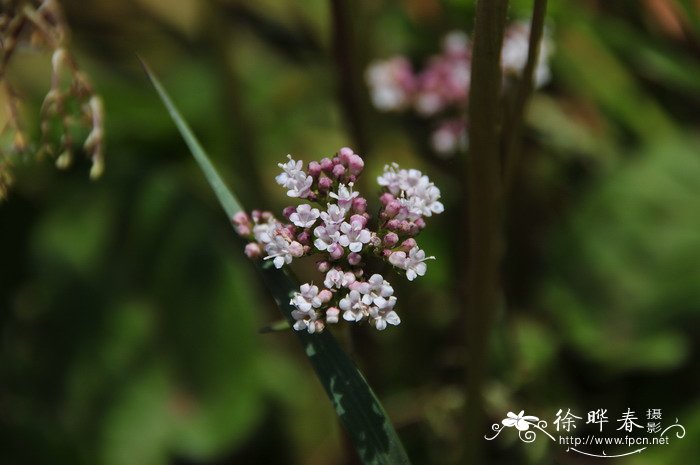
{"type": "Point", "coordinates": [337, 226]}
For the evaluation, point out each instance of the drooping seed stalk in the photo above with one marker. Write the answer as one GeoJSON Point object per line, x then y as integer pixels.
{"type": "Point", "coordinates": [482, 213]}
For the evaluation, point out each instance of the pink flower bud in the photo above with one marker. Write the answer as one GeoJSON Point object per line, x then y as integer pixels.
{"type": "Point", "coordinates": [355, 164]}
{"type": "Point", "coordinates": [304, 237]}
{"type": "Point", "coordinates": [314, 169]}
{"type": "Point", "coordinates": [323, 266]}
{"type": "Point", "coordinates": [420, 222]}
{"type": "Point", "coordinates": [338, 171]}
{"type": "Point", "coordinates": [326, 165]}
{"type": "Point", "coordinates": [385, 198]}
{"type": "Point", "coordinates": [288, 211]}
{"type": "Point", "coordinates": [386, 253]}
{"type": "Point", "coordinates": [358, 273]}
{"type": "Point", "coordinates": [360, 219]}
{"type": "Point", "coordinates": [408, 244]}
{"type": "Point", "coordinates": [336, 160]}
{"type": "Point", "coordinates": [393, 208]}
{"type": "Point", "coordinates": [266, 216]}
{"type": "Point", "coordinates": [332, 315]}
{"type": "Point", "coordinates": [405, 227]}
{"type": "Point", "coordinates": [393, 225]}
{"type": "Point", "coordinates": [349, 277]}
{"type": "Point", "coordinates": [344, 155]}
{"type": "Point", "coordinates": [413, 229]}
{"type": "Point", "coordinates": [325, 295]}
{"type": "Point", "coordinates": [325, 184]}
{"type": "Point", "coordinates": [336, 251]}
{"type": "Point", "coordinates": [253, 250]}
{"type": "Point", "coordinates": [391, 239]}
{"type": "Point", "coordinates": [241, 218]}
{"type": "Point", "coordinates": [296, 249]}
{"type": "Point", "coordinates": [354, 258]}
{"type": "Point", "coordinates": [375, 240]}
{"type": "Point", "coordinates": [352, 178]}
{"type": "Point", "coordinates": [359, 205]}
{"type": "Point", "coordinates": [354, 286]}
{"type": "Point", "coordinates": [257, 215]}
{"type": "Point", "coordinates": [243, 230]}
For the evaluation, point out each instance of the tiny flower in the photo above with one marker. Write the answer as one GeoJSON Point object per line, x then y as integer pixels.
{"type": "Point", "coordinates": [281, 251]}
{"type": "Point", "coordinates": [294, 178]}
{"type": "Point", "coordinates": [307, 321]}
{"type": "Point", "coordinates": [336, 278]}
{"type": "Point", "coordinates": [325, 184]}
{"type": "Point", "coordinates": [414, 263]}
{"type": "Point", "coordinates": [391, 83]}
{"type": "Point", "coordinates": [242, 224]}
{"type": "Point", "coordinates": [338, 171]}
{"type": "Point", "coordinates": [334, 216]}
{"type": "Point", "coordinates": [383, 316]}
{"type": "Point", "coordinates": [304, 216]}
{"type": "Point", "coordinates": [307, 298]}
{"type": "Point", "coordinates": [327, 237]}
{"type": "Point", "coordinates": [391, 239]}
{"type": "Point", "coordinates": [354, 258]}
{"type": "Point", "coordinates": [314, 169]}
{"type": "Point", "coordinates": [354, 236]}
{"type": "Point", "coordinates": [354, 309]}
{"type": "Point", "coordinates": [332, 315]}
{"type": "Point", "coordinates": [325, 296]}
{"type": "Point", "coordinates": [344, 196]}
{"type": "Point", "coordinates": [323, 266]}
{"type": "Point", "coordinates": [264, 232]}
{"type": "Point", "coordinates": [359, 205]}
{"type": "Point", "coordinates": [296, 249]}
{"type": "Point", "coordinates": [253, 250]}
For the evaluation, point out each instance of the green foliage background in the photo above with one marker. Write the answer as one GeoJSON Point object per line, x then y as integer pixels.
{"type": "Point", "coordinates": [129, 317]}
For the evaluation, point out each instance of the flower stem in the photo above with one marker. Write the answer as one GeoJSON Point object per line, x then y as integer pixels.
{"type": "Point", "coordinates": [482, 213]}
{"type": "Point", "coordinates": [513, 126]}
{"type": "Point", "coordinates": [350, 81]}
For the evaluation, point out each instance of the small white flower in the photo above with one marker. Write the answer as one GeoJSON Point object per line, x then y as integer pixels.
{"type": "Point", "coordinates": [264, 232]}
{"type": "Point", "coordinates": [413, 263]}
{"type": "Point", "coordinates": [307, 298]}
{"type": "Point", "coordinates": [385, 315]}
{"type": "Point", "coordinates": [428, 196]}
{"type": "Point", "coordinates": [334, 215]}
{"type": "Point", "coordinates": [281, 251]}
{"type": "Point", "coordinates": [290, 171]}
{"type": "Point", "coordinates": [345, 196]}
{"type": "Point", "coordinates": [294, 179]}
{"type": "Point", "coordinates": [307, 321]}
{"type": "Point", "coordinates": [304, 216]}
{"type": "Point", "coordinates": [354, 309]}
{"type": "Point", "coordinates": [378, 289]}
{"type": "Point", "coordinates": [336, 278]}
{"type": "Point", "coordinates": [354, 236]}
{"type": "Point", "coordinates": [332, 315]}
{"type": "Point", "coordinates": [327, 237]}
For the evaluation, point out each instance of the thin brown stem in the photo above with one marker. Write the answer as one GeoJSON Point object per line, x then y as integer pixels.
{"type": "Point", "coordinates": [349, 79]}
{"type": "Point", "coordinates": [482, 212]}
{"type": "Point", "coordinates": [513, 127]}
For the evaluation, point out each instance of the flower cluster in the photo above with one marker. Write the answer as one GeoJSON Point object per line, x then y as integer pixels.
{"type": "Point", "coordinates": [442, 86]}
{"type": "Point", "coordinates": [335, 224]}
